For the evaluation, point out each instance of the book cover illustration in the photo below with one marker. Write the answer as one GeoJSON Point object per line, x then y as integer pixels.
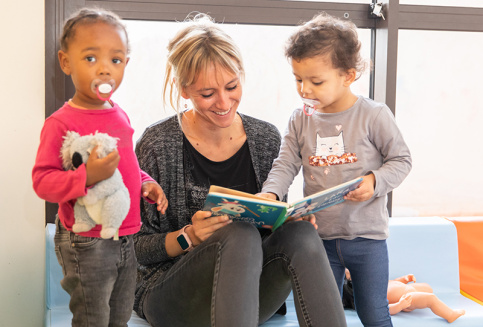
{"type": "Point", "coordinates": [262, 215]}
{"type": "Point", "coordinates": [321, 200]}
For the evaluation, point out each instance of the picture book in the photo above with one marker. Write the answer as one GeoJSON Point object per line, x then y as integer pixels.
{"type": "Point", "coordinates": [271, 214]}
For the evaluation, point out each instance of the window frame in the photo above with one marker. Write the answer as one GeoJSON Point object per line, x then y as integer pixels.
{"type": "Point", "coordinates": [59, 88]}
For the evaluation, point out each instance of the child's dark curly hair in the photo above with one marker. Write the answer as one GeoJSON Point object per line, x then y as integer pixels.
{"type": "Point", "coordinates": [327, 35]}
{"type": "Point", "coordinates": [88, 16]}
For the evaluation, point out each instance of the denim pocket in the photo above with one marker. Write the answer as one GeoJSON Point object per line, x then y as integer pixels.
{"type": "Point", "coordinates": [60, 259]}
{"type": "Point", "coordinates": [79, 241]}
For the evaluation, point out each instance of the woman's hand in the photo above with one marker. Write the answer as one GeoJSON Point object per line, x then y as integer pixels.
{"type": "Point", "coordinates": [365, 191]}
{"type": "Point", "coordinates": [204, 225]}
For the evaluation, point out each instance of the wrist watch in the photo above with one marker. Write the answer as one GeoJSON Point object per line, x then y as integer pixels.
{"type": "Point", "coordinates": [184, 240]}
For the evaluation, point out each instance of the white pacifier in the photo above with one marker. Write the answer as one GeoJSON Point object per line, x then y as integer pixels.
{"type": "Point", "coordinates": [105, 88]}
{"type": "Point", "coordinates": [309, 106]}
{"type": "Point", "coordinates": [100, 87]}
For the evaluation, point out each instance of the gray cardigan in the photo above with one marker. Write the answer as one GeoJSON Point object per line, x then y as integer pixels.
{"type": "Point", "coordinates": [160, 154]}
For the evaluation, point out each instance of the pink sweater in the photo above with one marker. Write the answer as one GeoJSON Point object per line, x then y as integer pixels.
{"type": "Point", "coordinates": [53, 184]}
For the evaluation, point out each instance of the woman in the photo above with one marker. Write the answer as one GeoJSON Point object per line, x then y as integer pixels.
{"type": "Point", "coordinates": [198, 270]}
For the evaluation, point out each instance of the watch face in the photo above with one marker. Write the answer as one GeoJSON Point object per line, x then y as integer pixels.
{"type": "Point", "coordinates": [182, 242]}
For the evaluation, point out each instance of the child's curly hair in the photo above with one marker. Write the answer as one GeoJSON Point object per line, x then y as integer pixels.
{"type": "Point", "coordinates": [327, 35]}
{"type": "Point", "coordinates": [88, 16]}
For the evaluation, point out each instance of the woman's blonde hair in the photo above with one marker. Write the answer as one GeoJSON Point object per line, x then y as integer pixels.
{"type": "Point", "coordinates": [192, 51]}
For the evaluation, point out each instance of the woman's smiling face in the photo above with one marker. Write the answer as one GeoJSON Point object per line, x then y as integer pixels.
{"type": "Point", "coordinates": [215, 95]}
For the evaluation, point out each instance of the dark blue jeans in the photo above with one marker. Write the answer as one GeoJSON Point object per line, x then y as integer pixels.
{"type": "Point", "coordinates": [368, 263]}
{"type": "Point", "coordinates": [236, 278]}
{"type": "Point", "coordinates": [99, 275]}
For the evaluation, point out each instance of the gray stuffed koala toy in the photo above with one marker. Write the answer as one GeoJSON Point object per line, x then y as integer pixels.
{"type": "Point", "coordinates": [107, 202]}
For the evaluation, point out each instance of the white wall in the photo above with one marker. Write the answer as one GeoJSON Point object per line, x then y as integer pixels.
{"type": "Point", "coordinates": [22, 262]}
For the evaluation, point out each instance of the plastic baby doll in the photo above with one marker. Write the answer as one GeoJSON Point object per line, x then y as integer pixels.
{"type": "Point", "coordinates": [403, 296]}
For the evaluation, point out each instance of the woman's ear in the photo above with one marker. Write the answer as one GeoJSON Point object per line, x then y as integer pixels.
{"type": "Point", "coordinates": [183, 93]}
{"type": "Point", "coordinates": [350, 77]}
{"type": "Point", "coordinates": [64, 62]}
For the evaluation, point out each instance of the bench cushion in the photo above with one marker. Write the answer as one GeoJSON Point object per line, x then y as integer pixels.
{"type": "Point", "coordinates": [424, 246]}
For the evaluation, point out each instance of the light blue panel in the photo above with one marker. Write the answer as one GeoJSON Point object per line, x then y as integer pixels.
{"type": "Point", "coordinates": [426, 247]}
{"type": "Point", "coordinates": [56, 296]}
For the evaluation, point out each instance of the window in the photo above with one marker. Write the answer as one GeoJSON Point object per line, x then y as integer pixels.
{"type": "Point", "coordinates": [439, 112]}
{"type": "Point", "coordinates": [427, 32]}
{"type": "Point", "coordinates": [443, 3]}
{"type": "Point", "coordinates": [268, 91]}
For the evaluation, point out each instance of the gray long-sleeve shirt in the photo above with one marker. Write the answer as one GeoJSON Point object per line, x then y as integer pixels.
{"type": "Point", "coordinates": [366, 131]}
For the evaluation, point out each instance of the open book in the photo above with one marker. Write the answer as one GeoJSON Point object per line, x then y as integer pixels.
{"type": "Point", "coordinates": [266, 213]}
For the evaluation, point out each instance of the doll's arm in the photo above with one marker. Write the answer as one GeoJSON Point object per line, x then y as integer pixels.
{"type": "Point", "coordinates": [403, 303]}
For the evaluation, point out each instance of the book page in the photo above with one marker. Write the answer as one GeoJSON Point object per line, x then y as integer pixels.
{"type": "Point", "coordinates": [240, 194]}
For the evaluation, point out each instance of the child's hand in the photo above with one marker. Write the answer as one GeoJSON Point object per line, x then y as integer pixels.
{"type": "Point", "coordinates": [310, 218]}
{"type": "Point", "coordinates": [365, 191]}
{"type": "Point", "coordinates": [99, 169]}
{"type": "Point", "coordinates": [154, 192]}
{"type": "Point", "coordinates": [270, 196]}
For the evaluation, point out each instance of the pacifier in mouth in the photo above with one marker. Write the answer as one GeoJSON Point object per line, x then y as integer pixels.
{"type": "Point", "coordinates": [309, 106]}
{"type": "Point", "coordinates": [99, 87]}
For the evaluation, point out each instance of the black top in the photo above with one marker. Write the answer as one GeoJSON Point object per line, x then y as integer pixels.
{"type": "Point", "coordinates": [200, 173]}
{"type": "Point", "coordinates": [222, 173]}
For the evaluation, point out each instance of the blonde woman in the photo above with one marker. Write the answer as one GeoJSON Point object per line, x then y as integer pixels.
{"type": "Point", "coordinates": [199, 270]}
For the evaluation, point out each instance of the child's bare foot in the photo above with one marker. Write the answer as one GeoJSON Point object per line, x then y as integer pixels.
{"type": "Point", "coordinates": [456, 314]}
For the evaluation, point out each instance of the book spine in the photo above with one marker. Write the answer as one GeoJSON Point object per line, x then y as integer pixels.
{"type": "Point", "coordinates": [280, 220]}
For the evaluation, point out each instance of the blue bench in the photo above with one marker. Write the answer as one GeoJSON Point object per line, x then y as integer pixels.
{"type": "Point", "coordinates": [424, 246]}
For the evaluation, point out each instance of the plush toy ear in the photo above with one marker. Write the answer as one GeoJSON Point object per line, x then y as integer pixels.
{"type": "Point", "coordinates": [69, 138]}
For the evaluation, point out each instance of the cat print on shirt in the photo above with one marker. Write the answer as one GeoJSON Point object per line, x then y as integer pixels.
{"type": "Point", "coordinates": [331, 151]}
{"type": "Point", "coordinates": [330, 146]}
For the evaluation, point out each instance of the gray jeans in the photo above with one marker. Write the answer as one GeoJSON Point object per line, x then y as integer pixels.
{"type": "Point", "coordinates": [236, 278]}
{"type": "Point", "coordinates": [99, 275]}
